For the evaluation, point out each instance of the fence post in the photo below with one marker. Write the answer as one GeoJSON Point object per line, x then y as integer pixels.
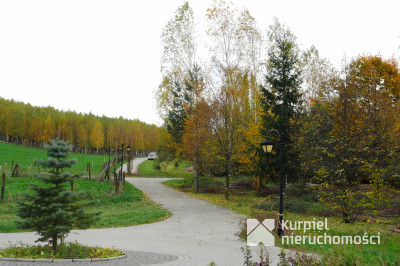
{"type": "Point", "coordinates": [3, 183]}
{"type": "Point", "coordinates": [123, 182]}
{"type": "Point", "coordinates": [112, 184]}
{"type": "Point", "coordinates": [117, 183]}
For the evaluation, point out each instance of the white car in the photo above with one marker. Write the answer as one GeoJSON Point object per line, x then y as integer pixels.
{"type": "Point", "coordinates": [152, 156]}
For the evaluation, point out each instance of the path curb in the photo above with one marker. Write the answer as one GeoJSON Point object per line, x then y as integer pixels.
{"type": "Point", "coordinates": [63, 260]}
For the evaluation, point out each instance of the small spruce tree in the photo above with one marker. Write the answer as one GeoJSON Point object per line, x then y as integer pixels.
{"type": "Point", "coordinates": [51, 209]}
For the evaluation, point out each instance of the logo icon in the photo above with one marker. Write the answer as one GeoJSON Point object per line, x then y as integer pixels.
{"type": "Point", "coordinates": [260, 232]}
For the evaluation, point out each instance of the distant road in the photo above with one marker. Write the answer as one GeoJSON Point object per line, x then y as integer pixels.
{"type": "Point", "coordinates": [134, 165]}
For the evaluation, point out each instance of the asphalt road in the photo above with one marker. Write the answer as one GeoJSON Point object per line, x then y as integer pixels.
{"type": "Point", "coordinates": [197, 233]}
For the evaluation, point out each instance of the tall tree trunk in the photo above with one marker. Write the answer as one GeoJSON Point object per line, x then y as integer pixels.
{"type": "Point", "coordinates": [54, 244]}
{"type": "Point", "coordinates": [196, 178]}
{"type": "Point", "coordinates": [195, 160]}
{"type": "Point", "coordinates": [228, 176]}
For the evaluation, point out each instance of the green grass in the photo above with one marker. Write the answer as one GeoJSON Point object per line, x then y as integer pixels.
{"type": "Point", "coordinates": [258, 207]}
{"type": "Point", "coordinates": [167, 169]}
{"type": "Point", "coordinates": [125, 209]}
{"type": "Point", "coordinates": [26, 156]}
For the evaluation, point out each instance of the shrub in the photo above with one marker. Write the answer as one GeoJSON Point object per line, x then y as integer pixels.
{"type": "Point", "coordinates": [156, 165]}
{"type": "Point", "coordinates": [298, 259]}
{"type": "Point", "coordinates": [263, 256]}
{"type": "Point", "coordinates": [72, 250]}
{"type": "Point", "coordinates": [293, 204]}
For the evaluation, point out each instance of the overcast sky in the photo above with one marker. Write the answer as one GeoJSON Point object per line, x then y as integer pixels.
{"type": "Point", "coordinates": [104, 56]}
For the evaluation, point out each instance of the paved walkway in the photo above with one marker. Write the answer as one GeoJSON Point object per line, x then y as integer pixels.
{"type": "Point", "coordinates": [134, 165]}
{"type": "Point", "coordinates": [197, 233]}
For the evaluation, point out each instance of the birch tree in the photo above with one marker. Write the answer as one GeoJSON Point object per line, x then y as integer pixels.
{"type": "Point", "coordinates": [316, 73]}
{"type": "Point", "coordinates": [233, 46]}
{"type": "Point", "coordinates": [178, 56]}
{"type": "Point", "coordinates": [181, 90]}
{"type": "Point", "coordinates": [97, 136]}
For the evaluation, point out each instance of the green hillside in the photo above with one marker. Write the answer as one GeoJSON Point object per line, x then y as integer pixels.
{"type": "Point", "coordinates": [26, 156]}
{"type": "Point", "coordinates": [124, 209]}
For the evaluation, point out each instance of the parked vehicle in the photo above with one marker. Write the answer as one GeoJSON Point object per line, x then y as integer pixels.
{"type": "Point", "coordinates": [152, 156]}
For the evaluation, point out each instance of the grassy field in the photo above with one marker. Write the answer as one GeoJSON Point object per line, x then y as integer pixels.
{"type": "Point", "coordinates": [251, 205]}
{"type": "Point", "coordinates": [166, 169]}
{"type": "Point", "coordinates": [26, 156]}
{"type": "Point", "coordinates": [124, 209]}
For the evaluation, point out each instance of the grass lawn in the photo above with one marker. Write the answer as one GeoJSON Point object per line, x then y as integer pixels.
{"type": "Point", "coordinates": [166, 169]}
{"type": "Point", "coordinates": [124, 209]}
{"type": "Point", "coordinates": [26, 156]}
{"type": "Point", "coordinates": [259, 207]}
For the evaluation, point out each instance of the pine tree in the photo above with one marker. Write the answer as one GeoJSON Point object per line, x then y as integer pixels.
{"type": "Point", "coordinates": [281, 97]}
{"type": "Point", "coordinates": [51, 209]}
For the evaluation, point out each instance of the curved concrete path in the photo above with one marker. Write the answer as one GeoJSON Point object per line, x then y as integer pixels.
{"type": "Point", "coordinates": [197, 233]}
{"type": "Point", "coordinates": [134, 165]}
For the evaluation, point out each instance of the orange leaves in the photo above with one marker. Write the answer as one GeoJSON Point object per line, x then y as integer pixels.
{"type": "Point", "coordinates": [366, 101]}
{"type": "Point", "coordinates": [363, 120]}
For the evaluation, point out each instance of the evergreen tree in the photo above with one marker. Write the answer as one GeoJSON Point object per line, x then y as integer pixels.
{"type": "Point", "coordinates": [175, 121]}
{"type": "Point", "coordinates": [51, 209]}
{"type": "Point", "coordinates": [184, 97]}
{"type": "Point", "coordinates": [281, 96]}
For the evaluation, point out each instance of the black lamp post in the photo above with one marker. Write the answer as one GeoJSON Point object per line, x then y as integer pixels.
{"type": "Point", "coordinates": [122, 160]}
{"type": "Point", "coordinates": [128, 149]}
{"type": "Point", "coordinates": [109, 162]}
{"type": "Point", "coordinates": [267, 146]}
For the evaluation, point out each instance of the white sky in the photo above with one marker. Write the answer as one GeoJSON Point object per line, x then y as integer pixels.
{"type": "Point", "coordinates": [104, 56]}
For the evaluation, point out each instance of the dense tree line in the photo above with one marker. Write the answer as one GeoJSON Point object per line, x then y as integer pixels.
{"type": "Point", "coordinates": [350, 136]}
{"type": "Point", "coordinates": [217, 109]}
{"type": "Point", "coordinates": [22, 123]}
{"type": "Point", "coordinates": [340, 127]}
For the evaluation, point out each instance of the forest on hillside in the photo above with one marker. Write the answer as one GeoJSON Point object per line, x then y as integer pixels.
{"type": "Point", "coordinates": [22, 123]}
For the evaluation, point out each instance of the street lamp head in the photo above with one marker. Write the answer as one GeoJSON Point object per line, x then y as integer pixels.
{"type": "Point", "coordinates": [128, 148]}
{"type": "Point", "coordinates": [267, 145]}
